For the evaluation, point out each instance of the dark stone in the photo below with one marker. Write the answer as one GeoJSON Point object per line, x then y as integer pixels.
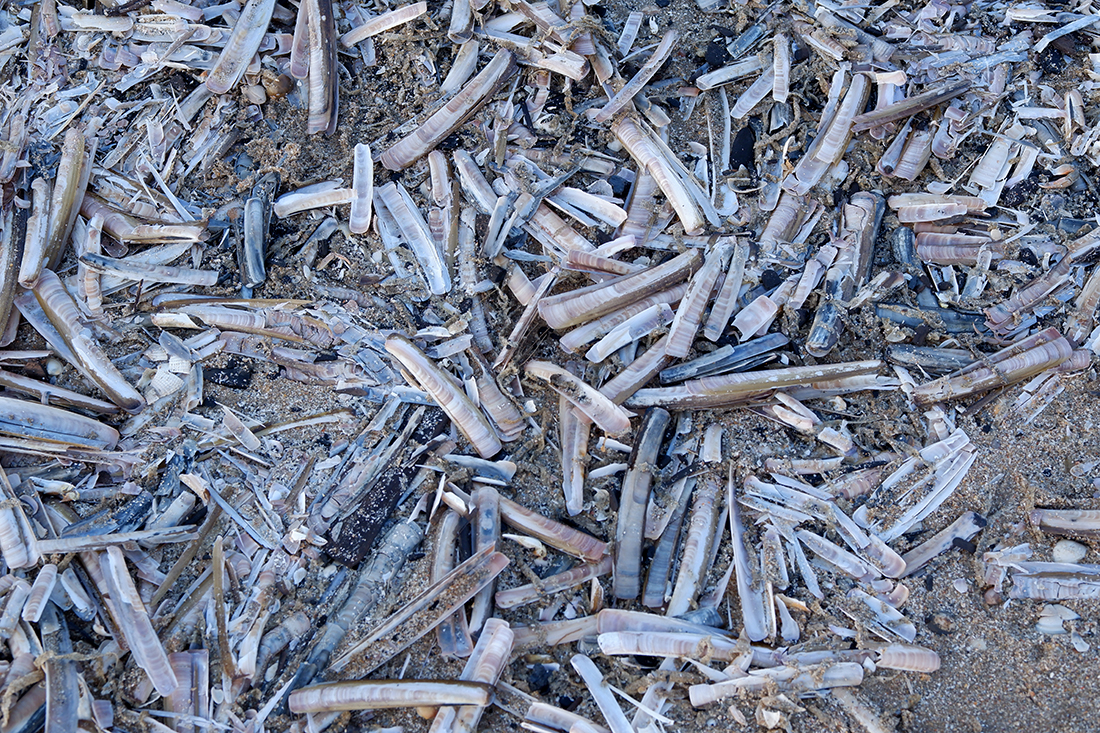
{"type": "Point", "coordinates": [741, 151]}
{"type": "Point", "coordinates": [770, 279]}
{"type": "Point", "coordinates": [717, 55]}
{"type": "Point", "coordinates": [1051, 61]}
{"type": "Point", "coordinates": [538, 679]}
{"type": "Point", "coordinates": [237, 374]}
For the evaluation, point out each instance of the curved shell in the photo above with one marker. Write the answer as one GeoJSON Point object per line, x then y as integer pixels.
{"type": "Point", "coordinates": [65, 317]}
{"type": "Point", "coordinates": [447, 394]}
{"type": "Point", "coordinates": [610, 417]}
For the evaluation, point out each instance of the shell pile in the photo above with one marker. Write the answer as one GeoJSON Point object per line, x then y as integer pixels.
{"type": "Point", "coordinates": [344, 341]}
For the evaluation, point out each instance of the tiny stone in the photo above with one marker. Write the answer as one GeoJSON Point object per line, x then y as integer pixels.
{"type": "Point", "coordinates": [54, 367]}
{"type": "Point", "coordinates": [960, 585]}
{"type": "Point", "coordinates": [539, 678]}
{"type": "Point", "coordinates": [1069, 551]}
{"type": "Point", "coordinates": [976, 644]}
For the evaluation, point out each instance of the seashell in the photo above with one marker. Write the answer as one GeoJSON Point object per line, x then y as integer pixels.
{"type": "Point", "coordinates": [908, 658]}
{"type": "Point", "coordinates": [379, 694]}
{"type": "Point", "coordinates": [476, 92]}
{"type": "Point", "coordinates": [241, 46]}
{"type": "Point", "coordinates": [447, 394]}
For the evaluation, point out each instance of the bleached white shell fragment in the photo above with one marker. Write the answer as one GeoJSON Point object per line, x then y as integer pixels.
{"type": "Point", "coordinates": [1069, 551]}
{"type": "Point", "coordinates": [1051, 618]}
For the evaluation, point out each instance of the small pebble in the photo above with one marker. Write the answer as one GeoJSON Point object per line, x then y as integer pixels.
{"type": "Point", "coordinates": [960, 585]}
{"type": "Point", "coordinates": [54, 367]}
{"type": "Point", "coordinates": [1069, 551]}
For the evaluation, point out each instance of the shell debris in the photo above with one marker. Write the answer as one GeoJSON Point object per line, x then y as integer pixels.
{"type": "Point", "coordinates": [300, 303]}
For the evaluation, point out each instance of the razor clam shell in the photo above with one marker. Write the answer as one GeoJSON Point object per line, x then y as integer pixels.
{"type": "Point", "coordinates": [559, 536]}
{"type": "Point", "coordinates": [418, 236]}
{"type": "Point", "coordinates": [85, 353]}
{"type": "Point", "coordinates": [601, 693]}
{"type": "Point", "coordinates": [611, 418]}
{"type": "Point", "coordinates": [377, 694]}
{"type": "Point", "coordinates": [632, 503]}
{"type": "Point", "coordinates": [476, 93]}
{"type": "Point", "coordinates": [909, 107]}
{"type": "Point", "coordinates": [241, 46]}
{"type": "Point", "coordinates": [660, 567]}
{"type": "Point", "coordinates": [689, 316]}
{"type": "Point", "coordinates": [697, 547]}
{"type": "Point", "coordinates": [384, 22]}
{"type": "Point", "coordinates": [668, 644]}
{"type": "Point", "coordinates": [486, 506]}
{"type": "Point", "coordinates": [908, 658]}
{"type": "Point", "coordinates": [729, 389]}
{"type": "Point", "coordinates": [594, 329]}
{"type": "Point", "coordinates": [965, 527]}
{"type": "Point", "coordinates": [140, 272]}
{"type": "Point", "coordinates": [631, 88]}
{"type": "Point", "coordinates": [524, 594]}
{"type": "Point", "coordinates": [447, 394]}
{"type": "Point", "coordinates": [362, 183]}
{"type": "Point", "coordinates": [749, 583]}
{"type": "Point", "coordinates": [1067, 522]}
{"type": "Point", "coordinates": [32, 419]}
{"type": "Point", "coordinates": [1010, 370]}
{"type": "Point", "coordinates": [683, 194]}
{"type": "Point", "coordinates": [421, 614]}
{"type": "Point", "coordinates": [632, 329]}
{"type": "Point", "coordinates": [133, 621]}
{"type": "Point", "coordinates": [452, 633]}
{"type": "Point", "coordinates": [585, 304]}
{"type": "Point", "coordinates": [788, 679]}
{"type": "Point", "coordinates": [40, 592]}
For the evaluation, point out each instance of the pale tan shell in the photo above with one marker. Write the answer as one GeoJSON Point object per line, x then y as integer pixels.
{"type": "Point", "coordinates": [909, 658]}
{"type": "Point", "coordinates": [377, 694]}
{"type": "Point", "coordinates": [447, 394]}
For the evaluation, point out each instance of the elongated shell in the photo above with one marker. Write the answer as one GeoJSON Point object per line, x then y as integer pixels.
{"type": "Point", "coordinates": [63, 314]}
{"type": "Point", "coordinates": [362, 183]}
{"type": "Point", "coordinates": [243, 43]}
{"type": "Point", "coordinates": [32, 419]}
{"type": "Point", "coordinates": [375, 694]}
{"type": "Point", "coordinates": [908, 658]}
{"type": "Point", "coordinates": [570, 309]}
{"type": "Point", "coordinates": [610, 417]}
{"type": "Point", "coordinates": [421, 141]}
{"type": "Point", "coordinates": [43, 586]}
{"type": "Point", "coordinates": [447, 394]}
